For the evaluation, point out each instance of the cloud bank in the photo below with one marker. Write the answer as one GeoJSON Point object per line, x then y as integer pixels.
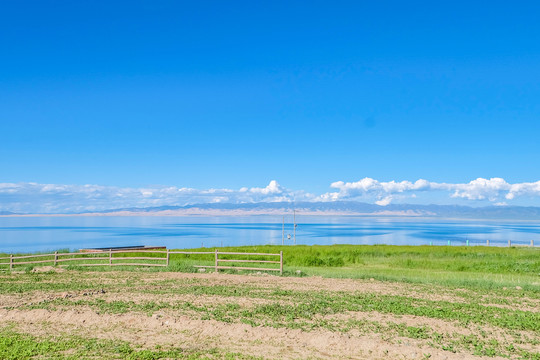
{"type": "Point", "coordinates": [54, 198]}
{"type": "Point", "coordinates": [492, 190]}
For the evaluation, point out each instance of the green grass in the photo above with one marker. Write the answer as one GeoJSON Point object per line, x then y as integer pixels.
{"type": "Point", "coordinates": [456, 266]}
{"type": "Point", "coordinates": [19, 346]}
{"type": "Point", "coordinates": [305, 305]}
{"type": "Point", "coordinates": [476, 267]}
{"type": "Point", "coordinates": [523, 261]}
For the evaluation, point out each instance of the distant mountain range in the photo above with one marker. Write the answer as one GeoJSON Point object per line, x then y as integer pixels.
{"type": "Point", "coordinates": [338, 208]}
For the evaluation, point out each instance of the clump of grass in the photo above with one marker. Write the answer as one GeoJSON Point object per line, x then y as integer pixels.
{"type": "Point", "coordinates": [309, 304]}
{"type": "Point", "coordinates": [19, 346]}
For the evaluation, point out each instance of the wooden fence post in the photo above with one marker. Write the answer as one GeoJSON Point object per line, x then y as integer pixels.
{"type": "Point", "coordinates": [55, 258]}
{"type": "Point", "coordinates": [216, 264]}
{"type": "Point", "coordinates": [509, 243]}
{"type": "Point", "coordinates": [281, 262]}
{"type": "Point", "coordinates": [110, 257]}
{"type": "Point", "coordinates": [532, 243]}
{"type": "Point", "coordinates": [168, 257]}
{"type": "Point", "coordinates": [487, 242]}
{"type": "Point", "coordinates": [10, 262]}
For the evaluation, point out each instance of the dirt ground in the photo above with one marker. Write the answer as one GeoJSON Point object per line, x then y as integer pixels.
{"type": "Point", "coordinates": [171, 327]}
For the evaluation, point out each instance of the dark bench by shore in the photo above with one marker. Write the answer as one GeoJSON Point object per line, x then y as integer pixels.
{"type": "Point", "coordinates": [117, 248]}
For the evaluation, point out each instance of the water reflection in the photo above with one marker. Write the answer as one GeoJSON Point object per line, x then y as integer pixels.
{"type": "Point", "coordinates": [24, 234]}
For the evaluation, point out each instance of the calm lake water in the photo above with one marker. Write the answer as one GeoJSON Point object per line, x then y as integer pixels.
{"type": "Point", "coordinates": [27, 234]}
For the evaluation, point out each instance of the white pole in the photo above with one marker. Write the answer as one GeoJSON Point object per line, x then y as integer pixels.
{"type": "Point", "coordinates": [294, 230]}
{"type": "Point", "coordinates": [283, 232]}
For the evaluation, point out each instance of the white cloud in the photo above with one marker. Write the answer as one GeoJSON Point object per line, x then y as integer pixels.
{"type": "Point", "coordinates": [368, 187]}
{"type": "Point", "coordinates": [57, 198]}
{"type": "Point", "coordinates": [492, 190]}
{"type": "Point", "coordinates": [272, 188]}
{"type": "Point", "coordinates": [479, 189]}
{"type": "Point", "coordinates": [384, 201]}
{"type": "Point", "coordinates": [524, 189]}
{"type": "Point", "coordinates": [52, 198]}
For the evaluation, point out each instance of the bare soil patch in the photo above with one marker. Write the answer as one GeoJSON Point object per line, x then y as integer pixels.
{"type": "Point", "coordinates": [169, 327]}
{"type": "Point", "coordinates": [257, 341]}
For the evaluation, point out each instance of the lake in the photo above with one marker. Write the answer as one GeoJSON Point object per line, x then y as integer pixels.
{"type": "Point", "coordinates": [29, 234]}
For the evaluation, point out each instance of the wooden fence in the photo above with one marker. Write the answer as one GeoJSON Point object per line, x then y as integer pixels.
{"type": "Point", "coordinates": [217, 260]}
{"type": "Point", "coordinates": [107, 258]}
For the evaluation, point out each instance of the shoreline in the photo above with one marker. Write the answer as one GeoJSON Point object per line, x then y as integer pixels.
{"type": "Point", "coordinates": [239, 214]}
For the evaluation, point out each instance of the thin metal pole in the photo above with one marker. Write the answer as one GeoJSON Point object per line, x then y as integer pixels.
{"type": "Point", "coordinates": [294, 229]}
{"type": "Point", "coordinates": [283, 232]}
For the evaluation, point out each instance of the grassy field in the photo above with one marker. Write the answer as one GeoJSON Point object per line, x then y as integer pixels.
{"type": "Point", "coordinates": [478, 266]}
{"type": "Point", "coordinates": [341, 301]}
{"type": "Point", "coordinates": [475, 266]}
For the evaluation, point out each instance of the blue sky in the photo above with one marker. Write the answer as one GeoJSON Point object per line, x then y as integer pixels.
{"type": "Point", "coordinates": [225, 95]}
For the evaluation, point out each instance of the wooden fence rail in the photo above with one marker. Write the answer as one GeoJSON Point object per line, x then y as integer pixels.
{"type": "Point", "coordinates": [218, 267]}
{"type": "Point", "coordinates": [106, 258]}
